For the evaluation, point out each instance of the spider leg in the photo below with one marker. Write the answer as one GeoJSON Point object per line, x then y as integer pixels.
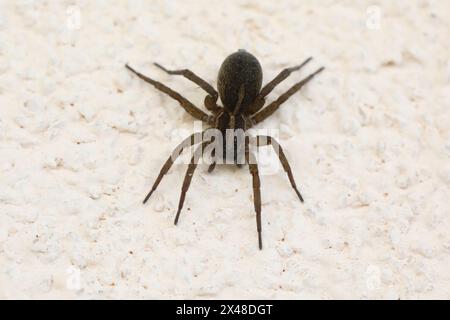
{"type": "Point", "coordinates": [281, 77]}
{"type": "Point", "coordinates": [253, 168]}
{"type": "Point", "coordinates": [188, 177]}
{"type": "Point", "coordinates": [271, 108]}
{"type": "Point", "coordinates": [267, 140]}
{"type": "Point", "coordinates": [186, 104]}
{"type": "Point", "coordinates": [188, 142]}
{"type": "Point", "coordinates": [212, 166]}
{"type": "Point", "coordinates": [259, 102]}
{"type": "Point", "coordinates": [210, 99]}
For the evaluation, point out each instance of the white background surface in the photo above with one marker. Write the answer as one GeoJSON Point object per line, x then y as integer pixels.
{"type": "Point", "coordinates": [82, 140]}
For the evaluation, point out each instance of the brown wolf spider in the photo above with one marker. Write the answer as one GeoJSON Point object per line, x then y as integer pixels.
{"type": "Point", "coordinates": [239, 85]}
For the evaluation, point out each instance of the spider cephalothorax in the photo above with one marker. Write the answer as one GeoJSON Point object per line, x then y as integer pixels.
{"type": "Point", "coordinates": [239, 84]}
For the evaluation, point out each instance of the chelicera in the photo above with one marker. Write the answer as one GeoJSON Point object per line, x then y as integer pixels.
{"type": "Point", "coordinates": [239, 84]}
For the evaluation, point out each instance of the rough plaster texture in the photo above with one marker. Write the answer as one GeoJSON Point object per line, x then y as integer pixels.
{"type": "Point", "coordinates": [81, 141]}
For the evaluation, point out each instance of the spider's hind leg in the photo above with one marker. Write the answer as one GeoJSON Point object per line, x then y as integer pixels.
{"type": "Point", "coordinates": [272, 107]}
{"type": "Point", "coordinates": [210, 99]}
{"type": "Point", "coordinates": [184, 103]}
{"type": "Point", "coordinates": [260, 100]}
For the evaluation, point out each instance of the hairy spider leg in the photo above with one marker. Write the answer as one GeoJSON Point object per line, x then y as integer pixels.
{"type": "Point", "coordinates": [259, 101]}
{"type": "Point", "coordinates": [186, 104]}
{"type": "Point", "coordinates": [210, 99]}
{"type": "Point", "coordinates": [212, 166]}
{"type": "Point", "coordinates": [188, 142]}
{"type": "Point", "coordinates": [267, 140]}
{"type": "Point", "coordinates": [272, 107]}
{"type": "Point", "coordinates": [253, 168]}
{"type": "Point", "coordinates": [188, 177]}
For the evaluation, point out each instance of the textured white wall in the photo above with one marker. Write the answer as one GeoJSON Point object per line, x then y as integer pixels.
{"type": "Point", "coordinates": [82, 140]}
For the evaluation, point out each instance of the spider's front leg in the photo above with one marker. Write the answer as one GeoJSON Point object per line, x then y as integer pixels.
{"type": "Point", "coordinates": [267, 140]}
{"type": "Point", "coordinates": [212, 166]}
{"type": "Point", "coordinates": [253, 168]}
{"type": "Point", "coordinates": [188, 177]}
{"type": "Point", "coordinates": [188, 142]}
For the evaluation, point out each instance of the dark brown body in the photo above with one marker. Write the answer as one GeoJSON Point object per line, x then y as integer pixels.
{"type": "Point", "coordinates": [239, 88]}
{"type": "Point", "coordinates": [239, 83]}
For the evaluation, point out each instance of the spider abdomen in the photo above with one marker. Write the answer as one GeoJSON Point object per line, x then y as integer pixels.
{"type": "Point", "coordinates": [239, 76]}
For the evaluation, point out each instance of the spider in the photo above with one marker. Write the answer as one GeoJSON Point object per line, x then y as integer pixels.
{"type": "Point", "coordinates": [239, 84]}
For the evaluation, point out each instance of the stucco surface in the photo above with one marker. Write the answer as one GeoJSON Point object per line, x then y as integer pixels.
{"type": "Point", "coordinates": [82, 140]}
